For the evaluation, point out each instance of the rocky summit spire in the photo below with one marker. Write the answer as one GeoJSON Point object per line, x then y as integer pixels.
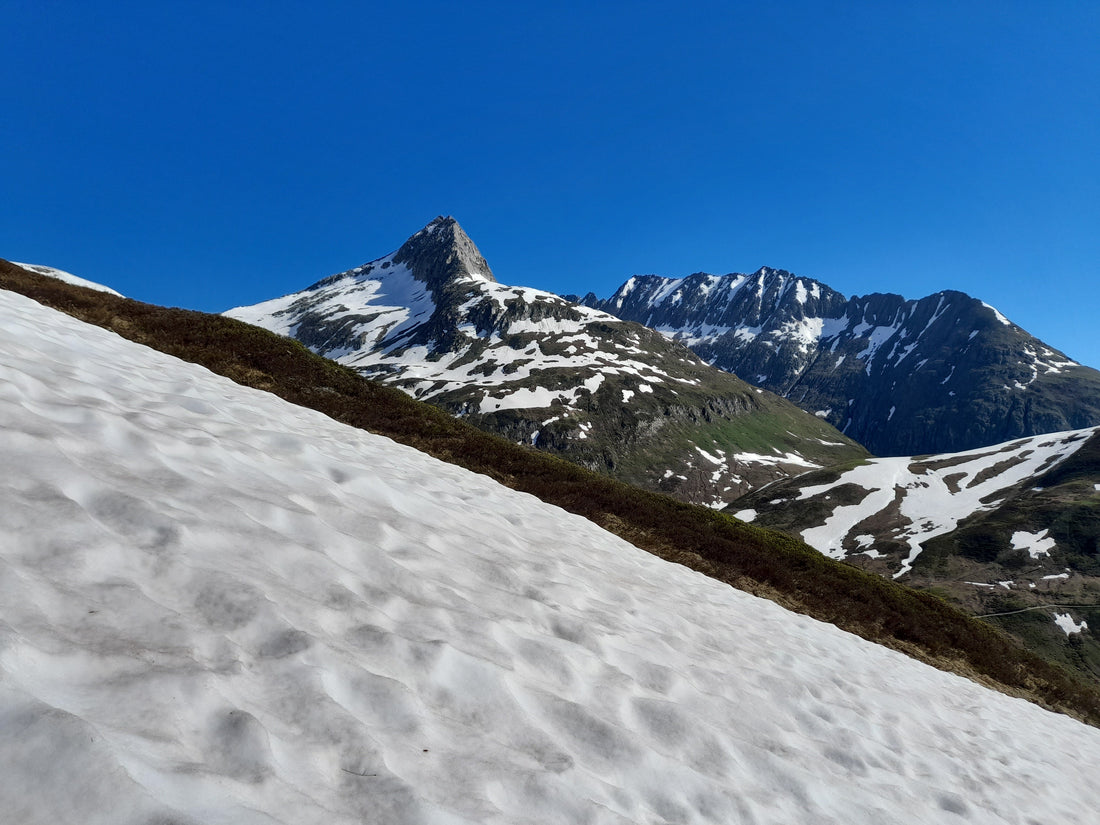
{"type": "Point", "coordinates": [441, 253]}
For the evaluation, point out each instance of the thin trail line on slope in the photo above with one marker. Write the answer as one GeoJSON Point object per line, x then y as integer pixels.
{"type": "Point", "coordinates": [1036, 607]}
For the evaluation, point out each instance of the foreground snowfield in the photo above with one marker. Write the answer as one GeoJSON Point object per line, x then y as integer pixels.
{"type": "Point", "coordinates": [216, 607]}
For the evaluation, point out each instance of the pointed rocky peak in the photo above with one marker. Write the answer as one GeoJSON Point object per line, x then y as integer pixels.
{"type": "Point", "coordinates": [442, 252]}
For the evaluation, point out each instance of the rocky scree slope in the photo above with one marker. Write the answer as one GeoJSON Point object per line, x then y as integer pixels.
{"type": "Point", "coordinates": [903, 377]}
{"type": "Point", "coordinates": [611, 395]}
{"type": "Point", "coordinates": [1010, 532]}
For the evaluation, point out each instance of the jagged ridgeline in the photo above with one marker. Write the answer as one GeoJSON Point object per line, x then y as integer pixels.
{"type": "Point", "coordinates": [609, 394]}
{"type": "Point", "coordinates": [903, 377]}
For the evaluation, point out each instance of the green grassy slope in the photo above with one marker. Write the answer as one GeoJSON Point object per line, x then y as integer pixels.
{"type": "Point", "coordinates": [757, 560]}
{"type": "Point", "coordinates": [1063, 505]}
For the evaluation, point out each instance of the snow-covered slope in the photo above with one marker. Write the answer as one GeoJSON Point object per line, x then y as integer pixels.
{"type": "Point", "coordinates": [67, 277]}
{"type": "Point", "coordinates": [436, 329]}
{"type": "Point", "coordinates": [943, 373]}
{"type": "Point", "coordinates": [887, 502]}
{"type": "Point", "coordinates": [1007, 532]}
{"type": "Point", "coordinates": [612, 395]}
{"type": "Point", "coordinates": [219, 608]}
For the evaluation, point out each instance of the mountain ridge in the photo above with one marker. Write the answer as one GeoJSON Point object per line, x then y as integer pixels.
{"type": "Point", "coordinates": [610, 394]}
{"type": "Point", "coordinates": [942, 373]}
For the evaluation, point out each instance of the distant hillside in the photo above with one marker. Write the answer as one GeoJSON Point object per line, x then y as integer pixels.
{"type": "Point", "coordinates": [903, 377]}
{"type": "Point", "coordinates": [1011, 532]}
{"type": "Point", "coordinates": [613, 396]}
{"type": "Point", "coordinates": [757, 560]}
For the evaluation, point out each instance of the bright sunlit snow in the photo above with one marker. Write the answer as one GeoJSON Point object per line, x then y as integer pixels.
{"type": "Point", "coordinates": [1068, 625]}
{"type": "Point", "coordinates": [934, 494]}
{"type": "Point", "coordinates": [219, 608]}
{"type": "Point", "coordinates": [381, 304]}
{"type": "Point", "coordinates": [1037, 544]}
{"type": "Point", "coordinates": [67, 277]}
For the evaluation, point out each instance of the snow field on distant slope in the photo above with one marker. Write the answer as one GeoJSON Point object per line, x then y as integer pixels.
{"type": "Point", "coordinates": [216, 607]}
{"type": "Point", "coordinates": [929, 504]}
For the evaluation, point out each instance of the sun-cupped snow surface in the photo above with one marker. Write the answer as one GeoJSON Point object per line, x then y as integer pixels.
{"type": "Point", "coordinates": [216, 607]}
{"type": "Point", "coordinates": [934, 494]}
{"type": "Point", "coordinates": [67, 277]}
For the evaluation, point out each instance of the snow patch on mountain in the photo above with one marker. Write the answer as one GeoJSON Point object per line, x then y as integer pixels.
{"type": "Point", "coordinates": [375, 306]}
{"type": "Point", "coordinates": [1068, 625]}
{"type": "Point", "coordinates": [996, 314]}
{"type": "Point", "coordinates": [931, 495]}
{"type": "Point", "coordinates": [1037, 545]}
{"type": "Point", "coordinates": [374, 309]}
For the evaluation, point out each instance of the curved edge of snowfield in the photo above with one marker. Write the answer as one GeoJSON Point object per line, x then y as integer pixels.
{"type": "Point", "coordinates": [216, 607]}
{"type": "Point", "coordinates": [67, 277]}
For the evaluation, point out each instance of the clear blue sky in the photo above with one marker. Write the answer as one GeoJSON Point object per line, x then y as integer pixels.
{"type": "Point", "coordinates": [214, 154]}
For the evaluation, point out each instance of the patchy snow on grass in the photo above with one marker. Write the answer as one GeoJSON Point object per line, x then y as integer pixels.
{"type": "Point", "coordinates": [1068, 625]}
{"type": "Point", "coordinates": [713, 459]}
{"type": "Point", "coordinates": [936, 492]}
{"type": "Point", "coordinates": [524, 398]}
{"type": "Point", "coordinates": [1036, 544]}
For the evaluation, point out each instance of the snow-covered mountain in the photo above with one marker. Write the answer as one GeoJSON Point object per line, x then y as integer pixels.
{"type": "Point", "coordinates": [903, 377]}
{"type": "Point", "coordinates": [216, 607]}
{"type": "Point", "coordinates": [1010, 530]}
{"type": "Point", "coordinates": [611, 395]}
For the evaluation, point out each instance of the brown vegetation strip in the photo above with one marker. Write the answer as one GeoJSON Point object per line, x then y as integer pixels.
{"type": "Point", "coordinates": [753, 559]}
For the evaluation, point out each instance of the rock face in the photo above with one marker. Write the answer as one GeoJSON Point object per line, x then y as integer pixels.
{"type": "Point", "coordinates": [613, 395]}
{"type": "Point", "coordinates": [943, 373]}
